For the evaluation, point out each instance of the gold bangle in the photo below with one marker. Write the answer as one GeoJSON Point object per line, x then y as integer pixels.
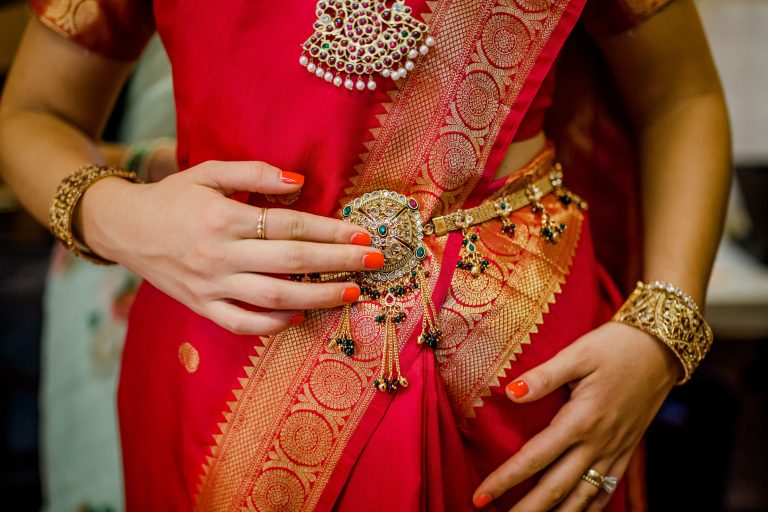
{"type": "Point", "coordinates": [64, 203]}
{"type": "Point", "coordinates": [672, 317]}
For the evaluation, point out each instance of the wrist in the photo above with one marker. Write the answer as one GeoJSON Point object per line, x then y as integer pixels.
{"type": "Point", "coordinates": [99, 214]}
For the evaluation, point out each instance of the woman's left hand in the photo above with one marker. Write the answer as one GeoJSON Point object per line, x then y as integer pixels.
{"type": "Point", "coordinates": [619, 376]}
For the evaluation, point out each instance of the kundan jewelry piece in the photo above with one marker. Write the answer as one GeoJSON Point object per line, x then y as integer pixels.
{"type": "Point", "coordinates": [355, 40]}
{"type": "Point", "coordinates": [396, 229]}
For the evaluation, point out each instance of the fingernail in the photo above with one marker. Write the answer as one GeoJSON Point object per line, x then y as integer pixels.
{"type": "Point", "coordinates": [363, 239]}
{"type": "Point", "coordinates": [350, 294]}
{"type": "Point", "coordinates": [518, 388]}
{"type": "Point", "coordinates": [481, 500]}
{"type": "Point", "coordinates": [291, 178]}
{"type": "Point", "coordinates": [373, 260]}
{"type": "Point", "coordinates": [297, 318]}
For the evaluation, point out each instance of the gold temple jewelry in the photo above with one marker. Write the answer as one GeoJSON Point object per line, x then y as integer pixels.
{"type": "Point", "coordinates": [504, 206]}
{"type": "Point", "coordinates": [64, 203]}
{"type": "Point", "coordinates": [353, 41]}
{"type": "Point", "coordinates": [671, 316]}
{"type": "Point", "coordinates": [395, 225]}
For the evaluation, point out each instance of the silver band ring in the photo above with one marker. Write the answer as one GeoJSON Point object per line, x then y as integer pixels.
{"type": "Point", "coordinates": [261, 227]}
{"type": "Point", "coordinates": [601, 481]}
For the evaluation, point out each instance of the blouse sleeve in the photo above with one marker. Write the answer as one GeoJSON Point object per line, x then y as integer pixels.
{"type": "Point", "coordinates": [606, 17]}
{"type": "Point", "coordinates": [118, 29]}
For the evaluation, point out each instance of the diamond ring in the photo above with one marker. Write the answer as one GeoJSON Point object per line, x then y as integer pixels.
{"type": "Point", "coordinates": [601, 481]}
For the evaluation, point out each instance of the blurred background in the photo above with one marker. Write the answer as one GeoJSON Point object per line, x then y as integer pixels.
{"type": "Point", "coordinates": [707, 450]}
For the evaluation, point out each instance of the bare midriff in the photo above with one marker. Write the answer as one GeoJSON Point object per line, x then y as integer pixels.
{"type": "Point", "coordinates": [520, 153]}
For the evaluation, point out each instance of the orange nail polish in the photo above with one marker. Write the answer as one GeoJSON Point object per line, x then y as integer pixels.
{"type": "Point", "coordinates": [363, 239]}
{"type": "Point", "coordinates": [291, 178]}
{"type": "Point", "coordinates": [481, 500]}
{"type": "Point", "coordinates": [518, 388]}
{"type": "Point", "coordinates": [351, 294]}
{"type": "Point", "coordinates": [297, 318]}
{"type": "Point", "coordinates": [373, 260]}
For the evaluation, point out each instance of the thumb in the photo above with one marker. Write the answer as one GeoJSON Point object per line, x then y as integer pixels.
{"type": "Point", "coordinates": [566, 366]}
{"type": "Point", "coordinates": [230, 177]}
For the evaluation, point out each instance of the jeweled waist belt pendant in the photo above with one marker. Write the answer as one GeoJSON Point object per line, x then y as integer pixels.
{"type": "Point", "coordinates": [396, 228]}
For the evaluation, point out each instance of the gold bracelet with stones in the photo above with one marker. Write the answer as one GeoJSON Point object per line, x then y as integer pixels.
{"type": "Point", "coordinates": [62, 209]}
{"type": "Point", "coordinates": [671, 316]}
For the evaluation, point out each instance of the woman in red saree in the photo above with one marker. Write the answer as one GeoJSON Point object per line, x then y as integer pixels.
{"type": "Point", "coordinates": [230, 397]}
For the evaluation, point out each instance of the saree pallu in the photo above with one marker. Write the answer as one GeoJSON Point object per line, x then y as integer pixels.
{"type": "Point", "coordinates": [215, 421]}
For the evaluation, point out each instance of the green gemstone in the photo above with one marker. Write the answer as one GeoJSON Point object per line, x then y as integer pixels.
{"type": "Point", "coordinates": [347, 211]}
{"type": "Point", "coordinates": [471, 247]}
{"type": "Point", "coordinates": [383, 230]}
{"type": "Point", "coordinates": [420, 252]}
{"type": "Point", "coordinates": [325, 46]}
{"type": "Point", "coordinates": [404, 33]}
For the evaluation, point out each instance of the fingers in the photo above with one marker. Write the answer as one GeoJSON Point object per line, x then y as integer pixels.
{"type": "Point", "coordinates": [291, 257]}
{"type": "Point", "coordinates": [558, 483]}
{"type": "Point", "coordinates": [570, 364]}
{"type": "Point", "coordinates": [535, 455]}
{"type": "Point", "coordinates": [584, 493]}
{"type": "Point", "coordinates": [285, 224]}
{"type": "Point", "coordinates": [618, 470]}
{"type": "Point", "coordinates": [230, 177]}
{"type": "Point", "coordinates": [240, 321]}
{"type": "Point", "coordinates": [281, 294]}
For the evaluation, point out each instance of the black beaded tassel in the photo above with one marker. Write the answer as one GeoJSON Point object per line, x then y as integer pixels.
{"type": "Point", "coordinates": [342, 341]}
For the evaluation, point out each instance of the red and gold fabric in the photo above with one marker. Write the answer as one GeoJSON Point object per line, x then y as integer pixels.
{"type": "Point", "coordinates": [217, 421]}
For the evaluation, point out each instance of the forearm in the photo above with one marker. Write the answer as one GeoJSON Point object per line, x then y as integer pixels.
{"type": "Point", "coordinates": [673, 94]}
{"type": "Point", "coordinates": [685, 157]}
{"type": "Point", "coordinates": [37, 151]}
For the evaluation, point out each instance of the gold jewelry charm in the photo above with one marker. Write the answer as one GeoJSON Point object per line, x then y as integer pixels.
{"type": "Point", "coordinates": [550, 230]}
{"type": "Point", "coordinates": [671, 316]}
{"type": "Point", "coordinates": [394, 223]}
{"type": "Point", "coordinates": [356, 39]}
{"type": "Point", "coordinates": [470, 259]}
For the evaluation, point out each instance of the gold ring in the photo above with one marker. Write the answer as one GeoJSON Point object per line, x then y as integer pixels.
{"type": "Point", "coordinates": [261, 227]}
{"type": "Point", "coordinates": [601, 481]}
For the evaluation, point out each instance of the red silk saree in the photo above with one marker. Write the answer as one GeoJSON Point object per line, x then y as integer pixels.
{"type": "Point", "coordinates": [215, 421]}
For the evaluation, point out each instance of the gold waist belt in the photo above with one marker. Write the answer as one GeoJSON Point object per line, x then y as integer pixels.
{"type": "Point", "coordinates": [396, 228]}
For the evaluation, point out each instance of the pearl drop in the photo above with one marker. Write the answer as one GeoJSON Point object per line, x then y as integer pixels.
{"type": "Point", "coordinates": [395, 75]}
{"type": "Point", "coordinates": [409, 65]}
{"type": "Point", "coordinates": [423, 49]}
{"type": "Point", "coordinates": [430, 41]}
{"type": "Point", "coordinates": [360, 85]}
{"type": "Point", "coordinates": [304, 60]}
{"type": "Point", "coordinates": [328, 76]}
{"type": "Point", "coordinates": [413, 54]}
{"type": "Point", "coordinates": [349, 84]}
{"type": "Point", "coordinates": [402, 72]}
{"type": "Point", "coordinates": [311, 67]}
{"type": "Point", "coordinates": [319, 72]}
{"type": "Point", "coordinates": [371, 85]}
{"type": "Point", "coordinates": [338, 81]}
{"type": "Point", "coordinates": [386, 72]}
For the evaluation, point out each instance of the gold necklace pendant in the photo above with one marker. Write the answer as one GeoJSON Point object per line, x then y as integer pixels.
{"type": "Point", "coordinates": [355, 40]}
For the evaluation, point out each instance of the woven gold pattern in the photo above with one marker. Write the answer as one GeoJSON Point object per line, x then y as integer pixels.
{"type": "Point", "coordinates": [433, 143]}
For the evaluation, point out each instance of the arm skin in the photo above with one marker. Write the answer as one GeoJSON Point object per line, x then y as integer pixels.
{"type": "Point", "coordinates": [182, 233]}
{"type": "Point", "coordinates": [619, 375]}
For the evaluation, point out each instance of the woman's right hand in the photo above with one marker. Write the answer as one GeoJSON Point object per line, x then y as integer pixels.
{"type": "Point", "coordinates": [183, 235]}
